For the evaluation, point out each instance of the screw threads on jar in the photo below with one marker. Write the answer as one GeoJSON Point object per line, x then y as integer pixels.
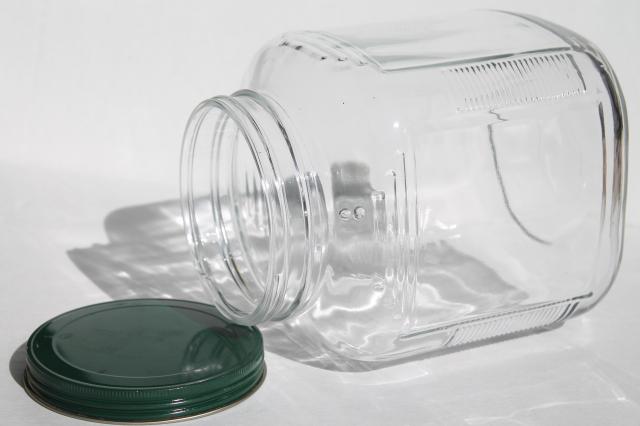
{"type": "Point", "coordinates": [253, 214]}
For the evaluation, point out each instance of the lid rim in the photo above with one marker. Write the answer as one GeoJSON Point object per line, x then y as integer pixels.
{"type": "Point", "coordinates": [186, 413]}
{"type": "Point", "coordinates": [260, 364]}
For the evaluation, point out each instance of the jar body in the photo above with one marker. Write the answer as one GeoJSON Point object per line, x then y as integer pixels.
{"type": "Point", "coordinates": [445, 182]}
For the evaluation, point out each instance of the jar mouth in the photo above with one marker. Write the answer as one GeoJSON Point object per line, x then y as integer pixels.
{"type": "Point", "coordinates": [226, 209]}
{"type": "Point", "coordinates": [246, 210]}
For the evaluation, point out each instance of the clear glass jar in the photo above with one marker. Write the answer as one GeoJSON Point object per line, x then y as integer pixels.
{"type": "Point", "coordinates": [411, 187]}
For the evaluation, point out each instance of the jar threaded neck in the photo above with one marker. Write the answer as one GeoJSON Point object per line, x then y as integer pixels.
{"type": "Point", "coordinates": [252, 213]}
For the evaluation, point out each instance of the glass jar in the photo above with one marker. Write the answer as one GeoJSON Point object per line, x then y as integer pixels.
{"type": "Point", "coordinates": [411, 187]}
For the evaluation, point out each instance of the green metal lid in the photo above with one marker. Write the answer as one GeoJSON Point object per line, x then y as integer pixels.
{"type": "Point", "coordinates": [143, 360]}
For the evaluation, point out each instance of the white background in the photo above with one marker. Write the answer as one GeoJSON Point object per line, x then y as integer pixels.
{"type": "Point", "coordinates": [93, 100]}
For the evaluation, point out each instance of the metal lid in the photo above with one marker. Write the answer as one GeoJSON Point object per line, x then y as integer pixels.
{"type": "Point", "coordinates": [143, 360]}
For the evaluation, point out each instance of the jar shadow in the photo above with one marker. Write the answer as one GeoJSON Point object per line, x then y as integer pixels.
{"type": "Point", "coordinates": [147, 256]}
